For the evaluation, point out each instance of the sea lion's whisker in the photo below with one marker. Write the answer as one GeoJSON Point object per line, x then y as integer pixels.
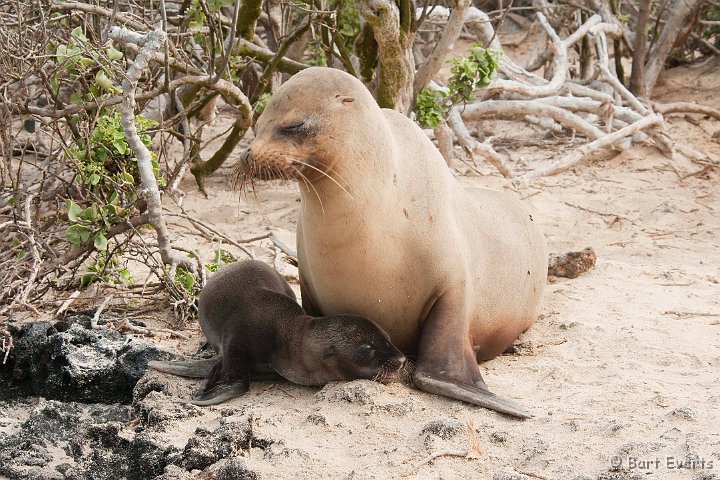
{"type": "Point", "coordinates": [307, 182]}
{"type": "Point", "coordinates": [328, 176]}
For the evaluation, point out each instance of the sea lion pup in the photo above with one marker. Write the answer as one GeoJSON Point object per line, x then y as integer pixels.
{"type": "Point", "coordinates": [387, 232]}
{"type": "Point", "coordinates": [251, 318]}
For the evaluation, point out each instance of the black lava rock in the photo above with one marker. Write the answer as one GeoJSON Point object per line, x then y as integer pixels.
{"type": "Point", "coordinates": [74, 363]}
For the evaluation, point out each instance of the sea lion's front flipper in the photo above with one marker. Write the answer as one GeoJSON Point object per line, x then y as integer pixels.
{"type": "Point", "coordinates": [226, 380]}
{"type": "Point", "coordinates": [195, 368]}
{"type": "Point", "coordinates": [474, 395]}
{"type": "Point", "coordinates": [446, 363]}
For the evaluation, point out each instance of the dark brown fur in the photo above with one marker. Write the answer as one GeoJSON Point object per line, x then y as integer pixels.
{"type": "Point", "coordinates": [251, 318]}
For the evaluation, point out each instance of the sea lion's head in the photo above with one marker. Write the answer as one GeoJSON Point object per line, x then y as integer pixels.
{"type": "Point", "coordinates": [350, 347]}
{"type": "Point", "coordinates": [315, 119]}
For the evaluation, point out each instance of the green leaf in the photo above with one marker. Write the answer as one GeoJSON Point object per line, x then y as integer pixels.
{"type": "Point", "coordinates": [105, 83]}
{"type": "Point", "coordinates": [113, 54]}
{"type": "Point", "coordinates": [90, 213]}
{"type": "Point", "coordinates": [78, 34]}
{"type": "Point", "coordinates": [94, 179]}
{"type": "Point", "coordinates": [74, 211]}
{"type": "Point", "coordinates": [88, 279]}
{"type": "Point", "coordinates": [76, 98]}
{"type": "Point", "coordinates": [185, 279]}
{"type": "Point", "coordinates": [121, 147]}
{"type": "Point", "coordinates": [84, 61]}
{"type": "Point", "coordinates": [77, 234]}
{"type": "Point", "coordinates": [100, 242]}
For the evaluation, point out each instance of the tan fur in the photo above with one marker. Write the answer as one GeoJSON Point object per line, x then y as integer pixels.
{"type": "Point", "coordinates": [393, 231]}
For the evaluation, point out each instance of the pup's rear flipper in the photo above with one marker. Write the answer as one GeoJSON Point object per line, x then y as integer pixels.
{"type": "Point", "coordinates": [224, 382]}
{"type": "Point", "coordinates": [220, 393]}
{"type": "Point", "coordinates": [474, 395]}
{"type": "Point", "coordinates": [199, 368]}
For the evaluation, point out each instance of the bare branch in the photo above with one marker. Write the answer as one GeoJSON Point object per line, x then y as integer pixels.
{"type": "Point", "coordinates": [450, 34]}
{"type": "Point", "coordinates": [473, 147]}
{"type": "Point", "coordinates": [581, 153]}
{"type": "Point", "coordinates": [150, 44]}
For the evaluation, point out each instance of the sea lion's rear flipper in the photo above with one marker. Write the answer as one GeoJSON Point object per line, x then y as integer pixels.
{"type": "Point", "coordinates": [225, 381]}
{"type": "Point", "coordinates": [196, 368]}
{"type": "Point", "coordinates": [446, 363]}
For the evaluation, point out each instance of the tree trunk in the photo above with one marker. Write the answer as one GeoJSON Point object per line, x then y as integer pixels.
{"type": "Point", "coordinates": [680, 12]}
{"type": "Point", "coordinates": [393, 27]}
{"type": "Point", "coordinates": [637, 77]}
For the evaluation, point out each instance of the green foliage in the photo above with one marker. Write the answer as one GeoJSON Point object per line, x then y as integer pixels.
{"type": "Point", "coordinates": [469, 73]}
{"type": "Point", "coordinates": [221, 258]}
{"type": "Point", "coordinates": [262, 103]}
{"type": "Point", "coordinates": [348, 21]}
{"type": "Point", "coordinates": [78, 59]}
{"type": "Point", "coordinates": [713, 14]}
{"type": "Point", "coordinates": [430, 107]}
{"type": "Point", "coordinates": [106, 171]}
{"type": "Point", "coordinates": [195, 15]}
{"type": "Point", "coordinates": [106, 268]}
{"type": "Point", "coordinates": [185, 279]}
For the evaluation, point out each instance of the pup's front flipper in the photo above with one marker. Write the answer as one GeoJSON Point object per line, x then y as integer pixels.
{"type": "Point", "coordinates": [199, 368]}
{"type": "Point", "coordinates": [446, 363]}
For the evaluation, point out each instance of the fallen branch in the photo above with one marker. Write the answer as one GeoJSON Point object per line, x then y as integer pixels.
{"type": "Point", "coordinates": [582, 152]}
{"type": "Point", "coordinates": [686, 107]}
{"type": "Point", "coordinates": [473, 147]}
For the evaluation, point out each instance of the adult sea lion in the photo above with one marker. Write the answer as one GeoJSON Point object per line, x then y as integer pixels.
{"type": "Point", "coordinates": [387, 232]}
{"type": "Point", "coordinates": [251, 318]}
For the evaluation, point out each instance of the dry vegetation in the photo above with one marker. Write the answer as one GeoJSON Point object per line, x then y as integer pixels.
{"type": "Point", "coordinates": [76, 205]}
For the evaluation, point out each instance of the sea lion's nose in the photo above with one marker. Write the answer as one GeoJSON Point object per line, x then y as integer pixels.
{"type": "Point", "coordinates": [245, 158]}
{"type": "Point", "coordinates": [397, 363]}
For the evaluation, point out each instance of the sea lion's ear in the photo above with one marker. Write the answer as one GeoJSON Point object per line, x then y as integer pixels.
{"type": "Point", "coordinates": [345, 98]}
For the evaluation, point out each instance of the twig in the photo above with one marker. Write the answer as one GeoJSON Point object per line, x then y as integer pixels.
{"type": "Point", "coordinates": [449, 35]}
{"type": "Point", "coordinates": [434, 456]}
{"type": "Point", "coordinates": [204, 225]}
{"type": "Point", "coordinates": [94, 320]}
{"type": "Point", "coordinates": [691, 314]}
{"type": "Point", "coordinates": [29, 233]}
{"type": "Point", "coordinates": [125, 326]}
{"type": "Point", "coordinates": [596, 212]}
{"type": "Point", "coordinates": [6, 346]}
{"type": "Point", "coordinates": [475, 441]}
{"type": "Point", "coordinates": [66, 304]}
